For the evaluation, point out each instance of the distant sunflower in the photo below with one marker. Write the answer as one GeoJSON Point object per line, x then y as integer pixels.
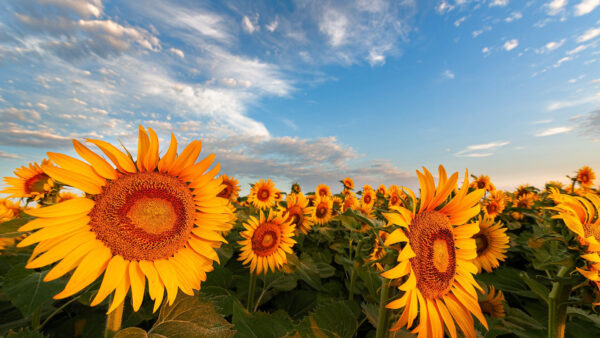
{"type": "Point", "coordinates": [378, 251]}
{"type": "Point", "coordinates": [157, 218]}
{"type": "Point", "coordinates": [440, 288]}
{"type": "Point", "coordinates": [322, 211]}
{"type": "Point", "coordinates": [495, 204]}
{"type": "Point", "coordinates": [348, 183]}
{"type": "Point", "coordinates": [580, 217]}
{"type": "Point", "coordinates": [492, 244]}
{"type": "Point", "coordinates": [365, 208]}
{"type": "Point", "coordinates": [368, 197]}
{"type": "Point", "coordinates": [483, 182]}
{"type": "Point", "coordinates": [67, 195]}
{"type": "Point", "coordinates": [586, 177]}
{"type": "Point", "coordinates": [262, 194]}
{"type": "Point", "coordinates": [323, 190]}
{"type": "Point", "coordinates": [554, 184]}
{"type": "Point", "coordinates": [337, 201]}
{"type": "Point", "coordinates": [395, 196]}
{"type": "Point", "coordinates": [524, 189]}
{"type": "Point", "coordinates": [9, 209]}
{"type": "Point", "coordinates": [266, 242]}
{"type": "Point", "coordinates": [31, 182]}
{"type": "Point", "coordinates": [296, 189]}
{"type": "Point", "coordinates": [350, 203]}
{"type": "Point", "coordinates": [298, 212]}
{"type": "Point", "coordinates": [231, 188]}
{"type": "Point", "coordinates": [367, 187]}
{"type": "Point", "coordinates": [5, 243]}
{"type": "Point", "coordinates": [382, 190]}
{"type": "Point", "coordinates": [492, 303]}
{"type": "Point", "coordinates": [524, 201]}
{"type": "Point", "coordinates": [278, 196]}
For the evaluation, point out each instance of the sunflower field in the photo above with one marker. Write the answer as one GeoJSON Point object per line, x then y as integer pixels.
{"type": "Point", "coordinates": [158, 243]}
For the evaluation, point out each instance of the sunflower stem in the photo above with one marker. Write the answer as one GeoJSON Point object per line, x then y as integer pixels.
{"type": "Point", "coordinates": [113, 321]}
{"type": "Point", "coordinates": [382, 320]}
{"type": "Point", "coordinates": [353, 275]}
{"type": "Point", "coordinates": [35, 318]}
{"type": "Point", "coordinates": [251, 290]}
{"type": "Point", "coordinates": [557, 305]}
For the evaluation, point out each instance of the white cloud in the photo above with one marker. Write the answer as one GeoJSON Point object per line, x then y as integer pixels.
{"type": "Point", "coordinates": [588, 35]}
{"type": "Point", "coordinates": [478, 32]}
{"type": "Point", "coordinates": [81, 102]}
{"type": "Point", "coordinates": [460, 21]}
{"type": "Point", "coordinates": [555, 7]}
{"type": "Point", "coordinates": [486, 50]}
{"type": "Point", "coordinates": [554, 131]}
{"type": "Point", "coordinates": [586, 6]}
{"type": "Point", "coordinates": [541, 121]}
{"type": "Point", "coordinates": [552, 45]}
{"type": "Point", "coordinates": [42, 106]}
{"type": "Point", "coordinates": [81, 7]}
{"type": "Point", "coordinates": [498, 3]}
{"type": "Point", "coordinates": [116, 35]}
{"type": "Point", "coordinates": [514, 16]}
{"type": "Point", "coordinates": [177, 52]}
{"type": "Point", "coordinates": [272, 26]}
{"type": "Point", "coordinates": [335, 25]}
{"type": "Point", "coordinates": [444, 7]}
{"type": "Point", "coordinates": [561, 61]}
{"type": "Point", "coordinates": [481, 150]}
{"type": "Point", "coordinates": [577, 49]}
{"type": "Point", "coordinates": [511, 44]}
{"type": "Point", "coordinates": [448, 74]}
{"type": "Point", "coordinates": [572, 103]}
{"type": "Point", "coordinates": [248, 25]}
{"type": "Point", "coordinates": [9, 155]}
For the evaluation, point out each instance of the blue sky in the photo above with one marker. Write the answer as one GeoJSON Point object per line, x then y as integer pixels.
{"type": "Point", "coordinates": [311, 91]}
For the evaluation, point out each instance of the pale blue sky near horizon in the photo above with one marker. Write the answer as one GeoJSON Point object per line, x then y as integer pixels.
{"type": "Point", "coordinates": [311, 91]}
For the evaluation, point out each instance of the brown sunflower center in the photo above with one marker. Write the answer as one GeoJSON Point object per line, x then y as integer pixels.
{"type": "Point", "coordinates": [480, 185]}
{"type": "Point", "coordinates": [591, 229]}
{"type": "Point", "coordinates": [263, 194]}
{"type": "Point", "coordinates": [491, 207]}
{"type": "Point", "coordinates": [265, 239]}
{"type": "Point", "coordinates": [434, 265]}
{"type": "Point", "coordinates": [144, 216]}
{"type": "Point", "coordinates": [584, 178]}
{"type": "Point", "coordinates": [226, 192]}
{"type": "Point", "coordinates": [482, 242]}
{"type": "Point", "coordinates": [296, 214]}
{"type": "Point", "coordinates": [367, 198]}
{"type": "Point", "coordinates": [394, 199]}
{"type": "Point", "coordinates": [322, 192]}
{"type": "Point", "coordinates": [36, 183]}
{"type": "Point", "coordinates": [322, 210]}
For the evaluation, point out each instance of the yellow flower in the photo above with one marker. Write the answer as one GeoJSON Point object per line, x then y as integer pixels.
{"type": "Point", "coordinates": [368, 197]}
{"type": "Point", "coordinates": [495, 204]}
{"type": "Point", "coordinates": [492, 244]}
{"type": "Point", "coordinates": [524, 201]}
{"type": "Point", "coordinates": [296, 189]}
{"type": "Point", "coordinates": [523, 189]}
{"type": "Point", "coordinates": [351, 203]}
{"type": "Point", "coordinates": [378, 251]}
{"type": "Point", "coordinates": [437, 257]}
{"type": "Point", "coordinates": [367, 187]}
{"type": "Point", "coordinates": [298, 212]}
{"type": "Point", "coordinates": [586, 177]}
{"type": "Point", "coordinates": [337, 202]}
{"type": "Point", "coordinates": [395, 196]}
{"type": "Point", "coordinates": [322, 212]}
{"type": "Point", "coordinates": [483, 182]}
{"type": "Point", "coordinates": [262, 194]}
{"type": "Point", "coordinates": [555, 184]}
{"type": "Point", "coordinates": [382, 190]}
{"type": "Point", "coordinates": [157, 219]}
{"type": "Point", "coordinates": [323, 190]}
{"type": "Point", "coordinates": [231, 188]}
{"type": "Point", "coordinates": [8, 209]}
{"type": "Point", "coordinates": [31, 182]}
{"type": "Point", "coordinates": [492, 303]}
{"type": "Point", "coordinates": [6, 242]}
{"type": "Point", "coordinates": [349, 183]}
{"type": "Point", "coordinates": [67, 195]}
{"type": "Point", "coordinates": [266, 242]}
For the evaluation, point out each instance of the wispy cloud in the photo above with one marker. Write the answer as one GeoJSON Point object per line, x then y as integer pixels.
{"type": "Point", "coordinates": [588, 35]}
{"type": "Point", "coordinates": [586, 7]}
{"type": "Point", "coordinates": [550, 46]}
{"type": "Point", "coordinates": [574, 102]}
{"type": "Point", "coordinates": [514, 16]}
{"type": "Point", "coordinates": [555, 7]}
{"type": "Point", "coordinates": [481, 150]}
{"type": "Point", "coordinates": [554, 131]}
{"type": "Point", "coordinates": [498, 3]}
{"type": "Point", "coordinates": [448, 74]}
{"type": "Point", "coordinates": [511, 44]}
{"type": "Point", "coordinates": [4, 154]}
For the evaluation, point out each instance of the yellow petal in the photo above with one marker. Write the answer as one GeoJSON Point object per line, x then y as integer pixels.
{"type": "Point", "coordinates": [115, 271]}
{"type": "Point", "coordinates": [73, 179]}
{"type": "Point", "coordinates": [74, 165]}
{"type": "Point", "coordinates": [169, 277]}
{"type": "Point", "coordinates": [99, 164]}
{"type": "Point", "coordinates": [71, 260]}
{"type": "Point", "coordinates": [120, 293]}
{"type": "Point", "coordinates": [152, 155]}
{"type": "Point", "coordinates": [55, 231]}
{"type": "Point", "coordinates": [143, 143]}
{"type": "Point", "coordinates": [90, 268]}
{"type": "Point", "coordinates": [138, 283]}
{"type": "Point", "coordinates": [121, 160]}
{"type": "Point", "coordinates": [165, 163]}
{"type": "Point", "coordinates": [75, 206]}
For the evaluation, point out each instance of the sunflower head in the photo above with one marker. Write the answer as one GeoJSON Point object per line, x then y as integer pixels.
{"type": "Point", "coordinates": [298, 212]}
{"type": "Point", "coordinates": [586, 177]}
{"type": "Point", "coordinates": [296, 189]}
{"type": "Point", "coordinates": [382, 190]}
{"type": "Point", "coordinates": [231, 188]}
{"type": "Point", "coordinates": [351, 203]}
{"type": "Point", "coordinates": [156, 218]}
{"type": "Point", "coordinates": [395, 196]}
{"type": "Point", "coordinates": [322, 211]}
{"type": "Point", "coordinates": [524, 200]}
{"type": "Point", "coordinates": [437, 257]}
{"type": "Point", "coordinates": [483, 182]}
{"type": "Point", "coordinates": [524, 189]}
{"type": "Point", "coordinates": [263, 194]}
{"type": "Point", "coordinates": [492, 244]}
{"type": "Point", "coordinates": [348, 183]}
{"type": "Point", "coordinates": [9, 209]}
{"type": "Point", "coordinates": [368, 197]}
{"type": "Point", "coordinates": [378, 251]}
{"type": "Point", "coordinates": [266, 242]}
{"type": "Point", "coordinates": [492, 305]}
{"type": "Point", "coordinates": [31, 182]}
{"type": "Point", "coordinates": [323, 190]}
{"type": "Point", "coordinates": [554, 184]}
{"type": "Point", "coordinates": [495, 204]}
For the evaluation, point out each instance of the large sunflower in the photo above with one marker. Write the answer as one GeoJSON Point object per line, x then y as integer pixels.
{"type": "Point", "coordinates": [586, 177]}
{"type": "Point", "coordinates": [322, 211]}
{"type": "Point", "coordinates": [31, 182]}
{"type": "Point", "coordinates": [492, 244]}
{"type": "Point", "coordinates": [580, 215]}
{"type": "Point", "coordinates": [231, 188]}
{"type": "Point", "coordinates": [156, 218]}
{"type": "Point", "coordinates": [262, 194]}
{"type": "Point", "coordinates": [298, 212]}
{"type": "Point", "coordinates": [440, 288]}
{"type": "Point", "coordinates": [266, 242]}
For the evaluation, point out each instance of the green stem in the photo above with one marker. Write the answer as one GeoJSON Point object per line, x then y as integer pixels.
{"type": "Point", "coordinates": [353, 275]}
{"type": "Point", "coordinates": [57, 311]}
{"type": "Point", "coordinates": [382, 320]}
{"type": "Point", "coordinates": [251, 290]}
{"type": "Point", "coordinates": [113, 321]}
{"type": "Point", "coordinates": [262, 294]}
{"type": "Point", "coordinates": [35, 318]}
{"type": "Point", "coordinates": [557, 306]}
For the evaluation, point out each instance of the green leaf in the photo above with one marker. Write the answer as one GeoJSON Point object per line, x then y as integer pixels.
{"type": "Point", "coordinates": [260, 324]}
{"type": "Point", "coordinates": [132, 332]}
{"type": "Point", "coordinates": [535, 286]}
{"type": "Point", "coordinates": [335, 319]}
{"type": "Point", "coordinates": [371, 311]}
{"type": "Point", "coordinates": [10, 228]}
{"type": "Point", "coordinates": [593, 318]}
{"type": "Point", "coordinates": [24, 333]}
{"type": "Point", "coordinates": [27, 290]}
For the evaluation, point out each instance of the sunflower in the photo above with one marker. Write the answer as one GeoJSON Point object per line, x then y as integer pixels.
{"type": "Point", "coordinates": [66, 195]}
{"type": "Point", "coordinates": [323, 190]}
{"type": "Point", "coordinates": [586, 177]}
{"type": "Point", "coordinates": [524, 201]}
{"type": "Point", "coordinates": [31, 182]}
{"type": "Point", "coordinates": [231, 188]}
{"type": "Point", "coordinates": [322, 211]}
{"type": "Point", "coordinates": [296, 189]}
{"type": "Point", "coordinates": [157, 218]}
{"type": "Point", "coordinates": [524, 189]}
{"type": "Point", "coordinates": [348, 183]}
{"type": "Point", "coordinates": [368, 197]}
{"type": "Point", "coordinates": [8, 209]}
{"type": "Point", "coordinates": [367, 187]}
{"type": "Point", "coordinates": [262, 194]}
{"type": "Point", "coordinates": [492, 244]}
{"type": "Point", "coordinates": [365, 208]}
{"type": "Point", "coordinates": [5, 242]}
{"type": "Point", "coordinates": [337, 202]}
{"type": "Point", "coordinates": [266, 242]}
{"type": "Point", "coordinates": [298, 212]}
{"type": "Point", "coordinates": [382, 190]}
{"type": "Point", "coordinates": [555, 184]}
{"type": "Point", "coordinates": [492, 303]}
{"type": "Point", "coordinates": [395, 196]}
{"type": "Point", "coordinates": [580, 217]}
{"type": "Point", "coordinates": [483, 182]}
{"type": "Point", "coordinates": [378, 251]}
{"type": "Point", "coordinates": [437, 257]}
{"type": "Point", "coordinates": [350, 203]}
{"type": "Point", "coordinates": [495, 204]}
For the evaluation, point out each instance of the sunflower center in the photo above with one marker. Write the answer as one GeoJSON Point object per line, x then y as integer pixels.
{"type": "Point", "coordinates": [321, 210]}
{"type": "Point", "coordinates": [367, 199]}
{"type": "Point", "coordinates": [394, 199]}
{"type": "Point", "coordinates": [480, 185]}
{"type": "Point", "coordinates": [263, 194]}
{"type": "Point", "coordinates": [434, 265]}
{"type": "Point", "coordinates": [590, 229]}
{"type": "Point", "coordinates": [144, 216]}
{"type": "Point", "coordinates": [322, 192]}
{"type": "Point", "coordinates": [36, 183]}
{"type": "Point", "coordinates": [226, 192]}
{"type": "Point", "coordinates": [584, 178]}
{"type": "Point", "coordinates": [492, 207]}
{"type": "Point", "coordinates": [265, 239]}
{"type": "Point", "coordinates": [481, 242]}
{"type": "Point", "coordinates": [296, 214]}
